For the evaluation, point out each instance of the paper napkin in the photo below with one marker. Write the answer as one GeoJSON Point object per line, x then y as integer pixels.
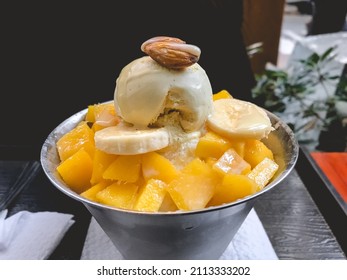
{"type": "Point", "coordinates": [250, 243]}
{"type": "Point", "coordinates": [31, 236]}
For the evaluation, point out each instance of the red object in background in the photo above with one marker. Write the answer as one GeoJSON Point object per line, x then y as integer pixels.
{"type": "Point", "coordinates": [334, 166]}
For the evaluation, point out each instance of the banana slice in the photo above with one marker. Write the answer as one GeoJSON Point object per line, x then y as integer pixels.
{"type": "Point", "coordinates": [239, 119]}
{"type": "Point", "coordinates": [126, 140]}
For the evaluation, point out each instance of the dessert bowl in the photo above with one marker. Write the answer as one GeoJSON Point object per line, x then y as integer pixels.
{"type": "Point", "coordinates": [198, 234]}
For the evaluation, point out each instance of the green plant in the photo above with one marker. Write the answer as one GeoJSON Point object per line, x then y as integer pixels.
{"type": "Point", "coordinates": [294, 92]}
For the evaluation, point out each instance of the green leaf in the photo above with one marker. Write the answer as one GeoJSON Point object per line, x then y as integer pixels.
{"type": "Point", "coordinates": [312, 60]}
{"type": "Point", "coordinates": [333, 77]}
{"type": "Point", "coordinates": [327, 53]}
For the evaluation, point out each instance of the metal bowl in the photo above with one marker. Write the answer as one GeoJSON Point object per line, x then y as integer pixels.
{"type": "Point", "coordinates": [199, 234]}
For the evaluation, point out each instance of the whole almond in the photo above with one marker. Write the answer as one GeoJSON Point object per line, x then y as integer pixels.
{"type": "Point", "coordinates": [170, 52]}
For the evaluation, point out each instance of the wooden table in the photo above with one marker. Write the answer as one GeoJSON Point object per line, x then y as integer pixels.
{"type": "Point", "coordinates": [294, 224]}
{"type": "Point", "coordinates": [290, 217]}
{"type": "Point", "coordinates": [331, 204]}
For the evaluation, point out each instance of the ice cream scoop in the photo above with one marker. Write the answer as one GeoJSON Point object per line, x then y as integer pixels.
{"type": "Point", "coordinates": [161, 98]}
{"type": "Point", "coordinates": [147, 91]}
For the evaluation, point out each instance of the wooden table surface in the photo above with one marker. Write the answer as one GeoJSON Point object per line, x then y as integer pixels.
{"type": "Point", "coordinates": [293, 222]}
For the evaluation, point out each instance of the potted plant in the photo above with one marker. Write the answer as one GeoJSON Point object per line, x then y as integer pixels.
{"type": "Point", "coordinates": [309, 98]}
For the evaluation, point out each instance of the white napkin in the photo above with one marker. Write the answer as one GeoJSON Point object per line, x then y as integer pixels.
{"type": "Point", "coordinates": [250, 243]}
{"type": "Point", "coordinates": [31, 236]}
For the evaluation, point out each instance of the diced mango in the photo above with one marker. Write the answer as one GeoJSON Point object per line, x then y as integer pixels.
{"type": "Point", "coordinates": [96, 127]}
{"type": "Point", "coordinates": [223, 170]}
{"type": "Point", "coordinates": [151, 196]}
{"type": "Point", "coordinates": [104, 114]}
{"type": "Point", "coordinates": [104, 107]}
{"type": "Point", "coordinates": [256, 151]}
{"type": "Point", "coordinates": [223, 94]}
{"type": "Point", "coordinates": [194, 186]}
{"type": "Point", "coordinates": [90, 116]}
{"type": "Point", "coordinates": [120, 195]}
{"type": "Point", "coordinates": [76, 171]}
{"type": "Point", "coordinates": [233, 187]}
{"type": "Point", "coordinates": [211, 145]}
{"type": "Point", "coordinates": [168, 205]}
{"type": "Point", "coordinates": [157, 166]}
{"type": "Point", "coordinates": [263, 172]}
{"type": "Point", "coordinates": [211, 161]}
{"type": "Point", "coordinates": [91, 192]}
{"type": "Point", "coordinates": [101, 162]}
{"type": "Point", "coordinates": [124, 168]}
{"type": "Point", "coordinates": [71, 142]}
{"type": "Point", "coordinates": [231, 163]}
{"type": "Point", "coordinates": [239, 146]}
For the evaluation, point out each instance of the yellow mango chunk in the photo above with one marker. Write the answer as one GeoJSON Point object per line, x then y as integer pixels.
{"type": "Point", "coordinates": [104, 114]}
{"type": "Point", "coordinates": [119, 195]}
{"type": "Point", "coordinates": [91, 192]}
{"type": "Point", "coordinates": [157, 166]}
{"type": "Point", "coordinates": [223, 94]}
{"type": "Point", "coordinates": [256, 151]}
{"type": "Point", "coordinates": [231, 163]}
{"type": "Point", "coordinates": [239, 146]}
{"type": "Point", "coordinates": [76, 171]}
{"type": "Point", "coordinates": [101, 161]}
{"type": "Point", "coordinates": [151, 196]}
{"type": "Point", "coordinates": [194, 186]}
{"type": "Point", "coordinates": [168, 205]}
{"type": "Point", "coordinates": [263, 172]}
{"type": "Point", "coordinates": [96, 127]}
{"type": "Point", "coordinates": [211, 161]}
{"type": "Point", "coordinates": [100, 108]}
{"type": "Point", "coordinates": [79, 137]}
{"type": "Point", "coordinates": [233, 187]}
{"type": "Point", "coordinates": [124, 168]}
{"type": "Point", "coordinates": [90, 116]}
{"type": "Point", "coordinates": [211, 145]}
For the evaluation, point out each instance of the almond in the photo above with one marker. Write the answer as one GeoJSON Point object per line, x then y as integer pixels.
{"type": "Point", "coordinates": [170, 52]}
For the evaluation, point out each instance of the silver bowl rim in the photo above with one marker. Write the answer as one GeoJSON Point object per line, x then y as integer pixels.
{"type": "Point", "coordinates": [67, 191]}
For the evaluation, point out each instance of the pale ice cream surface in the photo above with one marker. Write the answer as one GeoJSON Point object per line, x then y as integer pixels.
{"type": "Point", "coordinates": [147, 93]}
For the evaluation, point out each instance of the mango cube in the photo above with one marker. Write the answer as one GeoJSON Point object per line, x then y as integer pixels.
{"type": "Point", "coordinates": [223, 94]}
{"type": "Point", "coordinates": [124, 168]}
{"type": "Point", "coordinates": [119, 195]}
{"type": "Point", "coordinates": [168, 205]}
{"type": "Point", "coordinates": [263, 172]}
{"type": "Point", "coordinates": [101, 162]}
{"type": "Point", "coordinates": [92, 191]}
{"type": "Point", "coordinates": [231, 163]}
{"type": "Point", "coordinates": [90, 116]}
{"type": "Point", "coordinates": [79, 137]}
{"type": "Point", "coordinates": [256, 151]}
{"type": "Point", "coordinates": [157, 166]}
{"type": "Point", "coordinates": [194, 186]}
{"type": "Point", "coordinates": [211, 145]}
{"type": "Point", "coordinates": [239, 146]}
{"type": "Point", "coordinates": [104, 114]}
{"type": "Point", "coordinates": [76, 171]}
{"type": "Point", "coordinates": [233, 187]}
{"type": "Point", "coordinates": [151, 196]}
{"type": "Point", "coordinates": [96, 127]}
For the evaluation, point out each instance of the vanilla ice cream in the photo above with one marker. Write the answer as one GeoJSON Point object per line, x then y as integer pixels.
{"type": "Point", "coordinates": [147, 94]}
